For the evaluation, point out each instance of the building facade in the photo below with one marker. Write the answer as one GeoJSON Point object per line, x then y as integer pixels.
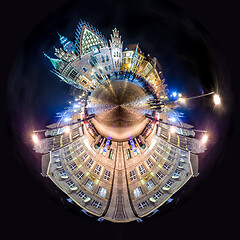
{"type": "Point", "coordinates": [120, 181]}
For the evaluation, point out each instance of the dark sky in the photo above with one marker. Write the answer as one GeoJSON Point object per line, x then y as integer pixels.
{"type": "Point", "coordinates": [189, 62]}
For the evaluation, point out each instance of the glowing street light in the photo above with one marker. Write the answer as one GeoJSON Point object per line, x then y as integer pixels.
{"type": "Point", "coordinates": [216, 99]}
{"type": "Point", "coordinates": [173, 129]}
{"type": "Point", "coordinates": [204, 138]}
{"type": "Point", "coordinates": [67, 119]}
{"type": "Point", "coordinates": [172, 119]}
{"type": "Point", "coordinates": [76, 105]}
{"type": "Point", "coordinates": [35, 138]}
{"type": "Point", "coordinates": [182, 100]}
{"type": "Point", "coordinates": [67, 129]}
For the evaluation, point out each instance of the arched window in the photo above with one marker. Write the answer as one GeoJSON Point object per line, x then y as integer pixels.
{"type": "Point", "coordinates": [91, 63]}
{"type": "Point", "coordinates": [97, 75]}
{"type": "Point", "coordinates": [107, 58]}
{"type": "Point", "coordinates": [106, 69]}
{"type": "Point", "coordinates": [84, 69]}
{"type": "Point", "coordinates": [93, 60]}
{"type": "Point", "coordinates": [102, 58]}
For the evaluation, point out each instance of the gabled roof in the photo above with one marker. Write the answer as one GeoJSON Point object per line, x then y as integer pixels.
{"type": "Point", "coordinates": [132, 47]}
{"type": "Point", "coordinates": [86, 37]}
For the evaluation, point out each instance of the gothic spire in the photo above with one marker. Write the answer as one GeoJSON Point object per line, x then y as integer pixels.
{"type": "Point", "coordinates": [55, 62]}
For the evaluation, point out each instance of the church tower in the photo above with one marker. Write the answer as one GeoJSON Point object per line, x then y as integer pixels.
{"type": "Point", "coordinates": [67, 45]}
{"type": "Point", "coordinates": [116, 46]}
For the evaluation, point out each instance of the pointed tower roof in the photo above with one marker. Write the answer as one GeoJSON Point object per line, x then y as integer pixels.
{"type": "Point", "coordinates": [67, 45]}
{"type": "Point", "coordinates": [63, 39]}
{"type": "Point", "coordinates": [55, 62]}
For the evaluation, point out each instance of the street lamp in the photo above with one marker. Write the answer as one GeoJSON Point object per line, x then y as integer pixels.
{"type": "Point", "coordinates": [204, 138]}
{"type": "Point", "coordinates": [67, 129]}
{"type": "Point", "coordinates": [182, 100]}
{"type": "Point", "coordinates": [173, 129]}
{"type": "Point", "coordinates": [35, 138]}
{"type": "Point", "coordinates": [216, 99]}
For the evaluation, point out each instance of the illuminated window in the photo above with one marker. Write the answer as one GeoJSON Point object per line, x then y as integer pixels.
{"type": "Point", "coordinates": [84, 156]}
{"type": "Point", "coordinates": [59, 165]}
{"type": "Point", "coordinates": [176, 173]}
{"type": "Point", "coordinates": [166, 166]}
{"type": "Point", "coordinates": [163, 144]}
{"type": "Point", "coordinates": [137, 192]}
{"type": "Point", "coordinates": [172, 152]}
{"type": "Point", "coordinates": [154, 155]}
{"type": "Point", "coordinates": [82, 195]}
{"type": "Point", "coordinates": [106, 175]}
{"type": "Point", "coordinates": [91, 63]}
{"type": "Point", "coordinates": [96, 204]}
{"type": "Point", "coordinates": [94, 59]}
{"type": "Point", "coordinates": [159, 175]}
{"type": "Point", "coordinates": [132, 175]}
{"type": "Point", "coordinates": [68, 158]}
{"type": "Point", "coordinates": [102, 191]}
{"type": "Point", "coordinates": [79, 151]}
{"type": "Point", "coordinates": [181, 164]}
{"type": "Point", "coordinates": [97, 169]}
{"type": "Point", "coordinates": [63, 173]}
{"type": "Point", "coordinates": [128, 153]}
{"type": "Point", "coordinates": [84, 81]}
{"type": "Point", "coordinates": [71, 184]}
{"type": "Point", "coordinates": [55, 154]}
{"type": "Point", "coordinates": [89, 184]}
{"type": "Point", "coordinates": [157, 195]}
{"type": "Point", "coordinates": [170, 158]}
{"type": "Point", "coordinates": [66, 151]}
{"type": "Point", "coordinates": [142, 205]}
{"type": "Point", "coordinates": [142, 169]}
{"type": "Point", "coordinates": [111, 153]}
{"type": "Point", "coordinates": [80, 175]}
{"type": "Point", "coordinates": [149, 184]}
{"type": "Point", "coordinates": [149, 163]}
{"type": "Point", "coordinates": [160, 151]}
{"type": "Point", "coordinates": [73, 74]}
{"type": "Point", "coordinates": [168, 184]}
{"type": "Point", "coordinates": [90, 163]}
{"type": "Point", "coordinates": [84, 69]}
{"type": "Point", "coordinates": [184, 154]}
{"type": "Point", "coordinates": [73, 166]}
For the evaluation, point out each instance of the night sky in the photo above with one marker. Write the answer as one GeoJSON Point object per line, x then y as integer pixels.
{"type": "Point", "coordinates": [196, 44]}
